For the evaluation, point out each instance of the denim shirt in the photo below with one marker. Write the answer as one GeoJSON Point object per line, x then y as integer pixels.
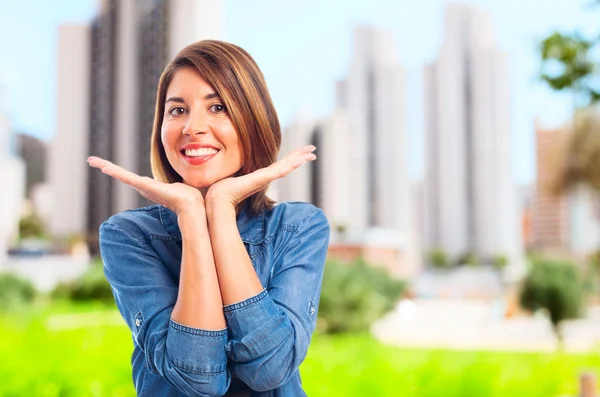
{"type": "Point", "coordinates": [267, 335]}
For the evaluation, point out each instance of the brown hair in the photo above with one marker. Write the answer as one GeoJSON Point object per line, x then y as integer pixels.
{"type": "Point", "coordinates": [236, 78]}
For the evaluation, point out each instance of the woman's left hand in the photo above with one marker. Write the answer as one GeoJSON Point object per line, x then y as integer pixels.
{"type": "Point", "coordinates": [234, 190]}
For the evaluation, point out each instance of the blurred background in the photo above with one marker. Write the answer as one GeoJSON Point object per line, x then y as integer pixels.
{"type": "Point", "coordinates": [459, 166]}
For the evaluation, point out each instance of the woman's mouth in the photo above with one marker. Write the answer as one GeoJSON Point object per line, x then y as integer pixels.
{"type": "Point", "coordinates": [199, 156]}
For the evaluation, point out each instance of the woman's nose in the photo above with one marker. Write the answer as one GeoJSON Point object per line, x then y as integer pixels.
{"type": "Point", "coordinates": [197, 123]}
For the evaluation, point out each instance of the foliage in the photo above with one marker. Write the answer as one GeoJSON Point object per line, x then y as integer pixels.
{"type": "Point", "coordinates": [569, 62]}
{"type": "Point", "coordinates": [468, 258]}
{"type": "Point", "coordinates": [354, 295]}
{"type": "Point", "coordinates": [500, 261]}
{"type": "Point", "coordinates": [92, 286]}
{"type": "Point", "coordinates": [556, 288]}
{"type": "Point", "coordinates": [341, 365]}
{"type": "Point", "coordinates": [438, 258]}
{"type": "Point", "coordinates": [15, 292]}
{"type": "Point", "coordinates": [31, 227]}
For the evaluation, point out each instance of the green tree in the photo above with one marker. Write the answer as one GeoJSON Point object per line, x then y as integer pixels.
{"type": "Point", "coordinates": [556, 288]}
{"type": "Point", "coordinates": [354, 295]}
{"type": "Point", "coordinates": [569, 63]}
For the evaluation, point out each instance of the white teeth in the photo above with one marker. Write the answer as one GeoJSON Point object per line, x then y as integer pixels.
{"type": "Point", "coordinates": [200, 152]}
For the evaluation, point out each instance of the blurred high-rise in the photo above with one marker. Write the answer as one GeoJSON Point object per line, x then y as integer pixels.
{"type": "Point", "coordinates": [471, 195]}
{"type": "Point", "coordinates": [361, 179]}
{"type": "Point", "coordinates": [550, 210]}
{"type": "Point", "coordinates": [364, 140]}
{"type": "Point", "coordinates": [563, 223]}
{"type": "Point", "coordinates": [33, 151]}
{"type": "Point", "coordinates": [129, 44]}
{"type": "Point", "coordinates": [12, 183]}
{"type": "Point", "coordinates": [323, 183]}
{"type": "Point", "coordinates": [373, 97]}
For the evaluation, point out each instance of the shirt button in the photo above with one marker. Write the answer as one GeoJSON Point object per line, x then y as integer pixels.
{"type": "Point", "coordinates": [137, 322]}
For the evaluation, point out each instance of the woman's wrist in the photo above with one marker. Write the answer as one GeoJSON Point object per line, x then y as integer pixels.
{"type": "Point", "coordinates": [215, 206]}
{"type": "Point", "coordinates": [192, 220]}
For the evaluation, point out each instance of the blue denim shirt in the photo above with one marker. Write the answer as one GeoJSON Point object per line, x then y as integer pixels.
{"type": "Point", "coordinates": [267, 335]}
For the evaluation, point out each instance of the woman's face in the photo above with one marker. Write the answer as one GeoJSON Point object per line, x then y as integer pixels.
{"type": "Point", "coordinates": [200, 141]}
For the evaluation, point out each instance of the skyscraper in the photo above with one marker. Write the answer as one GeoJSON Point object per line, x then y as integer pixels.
{"type": "Point", "coordinates": [12, 180]}
{"type": "Point", "coordinates": [325, 182]}
{"type": "Point", "coordinates": [471, 196]}
{"type": "Point", "coordinates": [372, 96]}
{"type": "Point", "coordinates": [67, 169]}
{"type": "Point", "coordinates": [360, 179]}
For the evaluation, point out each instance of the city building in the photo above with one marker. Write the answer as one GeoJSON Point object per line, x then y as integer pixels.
{"type": "Point", "coordinates": [13, 180]}
{"type": "Point", "coordinates": [67, 168]}
{"type": "Point", "coordinates": [550, 220]}
{"type": "Point", "coordinates": [360, 178]}
{"type": "Point", "coordinates": [563, 223]}
{"type": "Point", "coordinates": [471, 198]}
{"type": "Point", "coordinates": [33, 151]}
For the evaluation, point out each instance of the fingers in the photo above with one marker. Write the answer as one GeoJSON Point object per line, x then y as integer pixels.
{"type": "Point", "coordinates": [119, 173]}
{"type": "Point", "coordinates": [292, 161]}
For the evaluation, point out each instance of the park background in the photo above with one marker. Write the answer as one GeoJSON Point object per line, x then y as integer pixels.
{"type": "Point", "coordinates": [459, 166]}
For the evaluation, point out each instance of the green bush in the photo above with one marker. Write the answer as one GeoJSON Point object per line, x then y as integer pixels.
{"type": "Point", "coordinates": [500, 261]}
{"type": "Point", "coordinates": [438, 259]}
{"type": "Point", "coordinates": [555, 287]}
{"type": "Point", "coordinates": [354, 295]}
{"type": "Point", "coordinates": [31, 227]}
{"type": "Point", "coordinates": [92, 286]}
{"type": "Point", "coordinates": [15, 291]}
{"type": "Point", "coordinates": [468, 259]}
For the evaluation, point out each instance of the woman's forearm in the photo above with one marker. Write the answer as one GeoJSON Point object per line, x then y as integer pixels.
{"type": "Point", "coordinates": [199, 302]}
{"type": "Point", "coordinates": [237, 278]}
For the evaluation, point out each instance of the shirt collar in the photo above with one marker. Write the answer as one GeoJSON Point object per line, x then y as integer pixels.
{"type": "Point", "coordinates": [250, 226]}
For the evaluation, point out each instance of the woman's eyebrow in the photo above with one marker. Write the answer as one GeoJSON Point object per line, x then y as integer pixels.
{"type": "Point", "coordinates": [175, 99]}
{"type": "Point", "coordinates": [211, 96]}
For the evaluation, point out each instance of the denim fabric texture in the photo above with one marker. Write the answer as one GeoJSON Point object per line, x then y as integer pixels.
{"type": "Point", "coordinates": [267, 335]}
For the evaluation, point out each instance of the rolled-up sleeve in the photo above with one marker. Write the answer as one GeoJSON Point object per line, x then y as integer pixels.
{"type": "Point", "coordinates": [270, 332]}
{"type": "Point", "coordinates": [193, 360]}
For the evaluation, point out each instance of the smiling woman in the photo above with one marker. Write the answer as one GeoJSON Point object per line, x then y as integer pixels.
{"type": "Point", "coordinates": [218, 285]}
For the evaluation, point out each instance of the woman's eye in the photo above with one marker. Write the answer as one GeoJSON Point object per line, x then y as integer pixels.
{"type": "Point", "coordinates": [217, 108]}
{"type": "Point", "coordinates": [177, 111]}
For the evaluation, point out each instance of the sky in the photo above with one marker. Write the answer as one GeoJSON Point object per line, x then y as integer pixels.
{"type": "Point", "coordinates": [303, 48]}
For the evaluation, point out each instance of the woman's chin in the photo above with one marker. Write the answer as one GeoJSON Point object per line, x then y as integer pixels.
{"type": "Point", "coordinates": [201, 183]}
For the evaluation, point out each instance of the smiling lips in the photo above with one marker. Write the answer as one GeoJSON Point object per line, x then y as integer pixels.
{"type": "Point", "coordinates": [196, 154]}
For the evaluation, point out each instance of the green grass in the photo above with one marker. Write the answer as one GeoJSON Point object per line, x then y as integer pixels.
{"type": "Point", "coordinates": [51, 353]}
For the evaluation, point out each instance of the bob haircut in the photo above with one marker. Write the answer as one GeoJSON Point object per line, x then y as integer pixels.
{"type": "Point", "coordinates": [236, 78]}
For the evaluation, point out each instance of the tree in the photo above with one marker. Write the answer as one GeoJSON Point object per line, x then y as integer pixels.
{"type": "Point", "coordinates": [569, 63]}
{"type": "Point", "coordinates": [556, 288]}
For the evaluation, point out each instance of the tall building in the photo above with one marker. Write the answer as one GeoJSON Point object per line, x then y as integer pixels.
{"type": "Point", "coordinates": [471, 196]}
{"type": "Point", "coordinates": [325, 182]}
{"type": "Point", "coordinates": [372, 96]}
{"type": "Point", "coordinates": [129, 45]}
{"type": "Point", "coordinates": [360, 178]}
{"type": "Point", "coordinates": [33, 151]}
{"type": "Point", "coordinates": [67, 168]}
{"type": "Point", "coordinates": [12, 179]}
{"type": "Point", "coordinates": [550, 220]}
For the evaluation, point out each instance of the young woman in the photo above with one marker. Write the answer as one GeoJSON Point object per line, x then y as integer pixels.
{"type": "Point", "coordinates": [219, 286]}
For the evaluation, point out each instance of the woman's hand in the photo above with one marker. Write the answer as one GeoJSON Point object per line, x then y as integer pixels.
{"type": "Point", "coordinates": [178, 197]}
{"type": "Point", "coordinates": [234, 190]}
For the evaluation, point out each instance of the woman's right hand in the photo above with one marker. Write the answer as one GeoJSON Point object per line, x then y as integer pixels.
{"type": "Point", "coordinates": [178, 197]}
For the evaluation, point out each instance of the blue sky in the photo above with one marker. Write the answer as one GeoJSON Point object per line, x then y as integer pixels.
{"type": "Point", "coordinates": [303, 48]}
